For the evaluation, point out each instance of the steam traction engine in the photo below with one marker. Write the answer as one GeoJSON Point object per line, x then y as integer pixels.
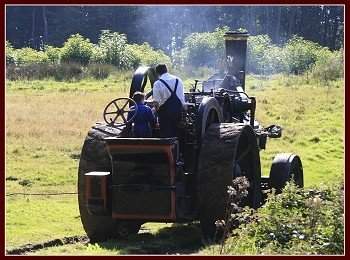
{"type": "Point", "coordinates": [124, 182]}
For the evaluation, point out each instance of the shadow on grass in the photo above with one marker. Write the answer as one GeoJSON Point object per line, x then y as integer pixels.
{"type": "Point", "coordinates": [177, 239]}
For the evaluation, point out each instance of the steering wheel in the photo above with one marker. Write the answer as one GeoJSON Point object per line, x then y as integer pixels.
{"type": "Point", "coordinates": [118, 109]}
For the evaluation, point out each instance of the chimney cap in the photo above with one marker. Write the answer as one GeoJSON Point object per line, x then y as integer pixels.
{"type": "Point", "coordinates": [236, 35]}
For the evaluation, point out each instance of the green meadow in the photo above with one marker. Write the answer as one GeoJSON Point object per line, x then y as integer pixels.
{"type": "Point", "coordinates": [46, 123]}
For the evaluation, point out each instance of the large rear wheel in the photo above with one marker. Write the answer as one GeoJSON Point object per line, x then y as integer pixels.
{"type": "Point", "coordinates": [94, 157]}
{"type": "Point", "coordinates": [228, 151]}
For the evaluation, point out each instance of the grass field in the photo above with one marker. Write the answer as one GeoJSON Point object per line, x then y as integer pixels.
{"type": "Point", "coordinates": [46, 123]}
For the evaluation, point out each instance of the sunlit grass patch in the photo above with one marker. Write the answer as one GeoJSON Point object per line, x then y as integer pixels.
{"type": "Point", "coordinates": [47, 121]}
{"type": "Point", "coordinates": [33, 219]}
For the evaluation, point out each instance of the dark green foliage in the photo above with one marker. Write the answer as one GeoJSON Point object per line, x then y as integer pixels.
{"type": "Point", "coordinates": [202, 52]}
{"type": "Point", "coordinates": [295, 222]}
{"type": "Point", "coordinates": [25, 25]}
{"type": "Point", "coordinates": [25, 183]}
{"type": "Point", "coordinates": [80, 58]}
{"type": "Point", "coordinates": [237, 192]}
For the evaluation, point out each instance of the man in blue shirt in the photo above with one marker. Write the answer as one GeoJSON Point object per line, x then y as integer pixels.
{"type": "Point", "coordinates": [144, 120]}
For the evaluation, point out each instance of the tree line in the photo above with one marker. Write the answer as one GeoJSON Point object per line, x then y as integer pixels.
{"type": "Point", "coordinates": [166, 27]}
{"type": "Point", "coordinates": [79, 57]}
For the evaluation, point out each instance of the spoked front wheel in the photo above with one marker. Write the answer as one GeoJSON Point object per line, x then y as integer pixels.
{"type": "Point", "coordinates": [116, 112]}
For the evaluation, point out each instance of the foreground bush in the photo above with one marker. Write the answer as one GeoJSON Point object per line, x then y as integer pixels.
{"type": "Point", "coordinates": [294, 222]}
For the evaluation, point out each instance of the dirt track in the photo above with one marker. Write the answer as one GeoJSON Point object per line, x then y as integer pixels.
{"type": "Point", "coordinates": [174, 240]}
{"type": "Point", "coordinates": [56, 242]}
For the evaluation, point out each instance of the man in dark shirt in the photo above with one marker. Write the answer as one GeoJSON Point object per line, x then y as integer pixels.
{"type": "Point", "coordinates": [144, 119]}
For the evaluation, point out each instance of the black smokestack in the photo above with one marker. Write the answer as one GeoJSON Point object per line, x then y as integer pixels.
{"type": "Point", "coordinates": [236, 54]}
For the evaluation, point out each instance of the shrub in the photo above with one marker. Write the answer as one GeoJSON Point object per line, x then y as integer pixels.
{"type": "Point", "coordinates": [53, 54]}
{"type": "Point", "coordinates": [100, 71]}
{"type": "Point", "coordinates": [144, 54]}
{"type": "Point", "coordinates": [294, 222]}
{"type": "Point", "coordinates": [30, 56]}
{"type": "Point", "coordinates": [98, 56]}
{"type": "Point", "coordinates": [256, 49]}
{"type": "Point", "coordinates": [274, 61]}
{"type": "Point", "coordinates": [178, 59]}
{"type": "Point", "coordinates": [68, 71]}
{"type": "Point", "coordinates": [204, 49]}
{"type": "Point", "coordinates": [10, 53]}
{"type": "Point", "coordinates": [188, 71]}
{"type": "Point", "coordinates": [29, 71]}
{"type": "Point", "coordinates": [77, 49]}
{"type": "Point", "coordinates": [112, 49]}
{"type": "Point", "coordinates": [328, 66]}
{"type": "Point", "coordinates": [300, 55]}
{"type": "Point", "coordinates": [59, 72]}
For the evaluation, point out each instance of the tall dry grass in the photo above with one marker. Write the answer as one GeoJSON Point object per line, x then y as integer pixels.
{"type": "Point", "coordinates": [56, 119]}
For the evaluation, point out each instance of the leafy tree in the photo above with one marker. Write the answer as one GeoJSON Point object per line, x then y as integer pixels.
{"type": "Point", "coordinates": [300, 54]}
{"type": "Point", "coordinates": [53, 53]}
{"type": "Point", "coordinates": [34, 25]}
{"type": "Point", "coordinates": [30, 56]}
{"type": "Point", "coordinates": [257, 48]}
{"type": "Point", "coordinates": [205, 49]}
{"type": "Point", "coordinates": [97, 55]}
{"type": "Point", "coordinates": [10, 53]}
{"type": "Point", "coordinates": [328, 66]}
{"type": "Point", "coordinates": [112, 49]}
{"type": "Point", "coordinates": [144, 54]}
{"type": "Point", "coordinates": [275, 60]}
{"type": "Point", "coordinates": [77, 49]}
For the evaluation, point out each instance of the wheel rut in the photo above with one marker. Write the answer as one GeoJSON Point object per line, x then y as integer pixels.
{"type": "Point", "coordinates": [30, 248]}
